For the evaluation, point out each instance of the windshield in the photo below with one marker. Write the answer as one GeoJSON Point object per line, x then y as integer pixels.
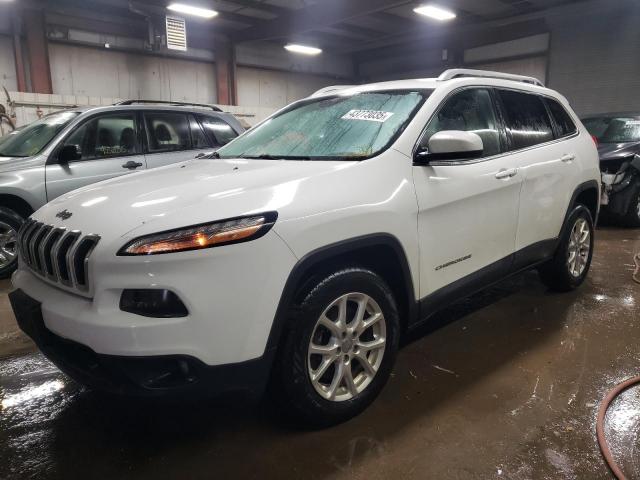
{"type": "Point", "coordinates": [351, 127]}
{"type": "Point", "coordinates": [31, 139]}
{"type": "Point", "coordinates": [614, 129]}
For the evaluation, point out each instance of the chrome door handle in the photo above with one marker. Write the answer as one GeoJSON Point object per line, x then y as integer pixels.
{"type": "Point", "coordinates": [506, 173]}
{"type": "Point", "coordinates": [131, 165]}
{"type": "Point", "coordinates": [568, 158]}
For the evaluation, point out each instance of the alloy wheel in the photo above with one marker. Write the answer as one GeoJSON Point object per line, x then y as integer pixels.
{"type": "Point", "coordinates": [346, 347]}
{"type": "Point", "coordinates": [8, 244]}
{"type": "Point", "coordinates": [579, 247]}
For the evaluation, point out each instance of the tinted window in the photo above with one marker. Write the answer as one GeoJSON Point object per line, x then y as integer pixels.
{"type": "Point", "coordinates": [106, 136]}
{"type": "Point", "coordinates": [527, 119]}
{"type": "Point", "coordinates": [470, 111]}
{"type": "Point", "coordinates": [31, 139]}
{"type": "Point", "coordinates": [167, 132]}
{"type": "Point", "coordinates": [198, 138]}
{"type": "Point", "coordinates": [219, 131]}
{"type": "Point", "coordinates": [561, 117]}
{"type": "Point", "coordinates": [619, 129]}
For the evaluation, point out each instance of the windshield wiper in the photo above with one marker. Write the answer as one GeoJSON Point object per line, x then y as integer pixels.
{"type": "Point", "coordinates": [276, 157]}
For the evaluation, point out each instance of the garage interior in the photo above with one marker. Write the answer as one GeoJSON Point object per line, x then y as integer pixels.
{"type": "Point", "coordinates": [504, 384]}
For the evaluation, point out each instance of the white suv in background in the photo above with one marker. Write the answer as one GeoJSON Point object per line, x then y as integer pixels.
{"type": "Point", "coordinates": [302, 252]}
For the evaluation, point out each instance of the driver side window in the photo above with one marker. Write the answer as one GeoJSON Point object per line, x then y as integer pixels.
{"type": "Point", "coordinates": [470, 110]}
{"type": "Point", "coordinates": [105, 136]}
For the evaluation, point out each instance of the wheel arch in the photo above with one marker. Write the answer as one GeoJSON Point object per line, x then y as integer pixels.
{"type": "Point", "coordinates": [382, 253]}
{"type": "Point", "coordinates": [587, 194]}
{"type": "Point", "coordinates": [17, 204]}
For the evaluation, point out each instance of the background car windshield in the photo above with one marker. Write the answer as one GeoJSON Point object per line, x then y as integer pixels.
{"type": "Point", "coordinates": [614, 129]}
{"type": "Point", "coordinates": [31, 139]}
{"type": "Point", "coordinates": [342, 127]}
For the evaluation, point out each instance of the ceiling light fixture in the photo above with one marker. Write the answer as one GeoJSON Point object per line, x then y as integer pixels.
{"type": "Point", "coordinates": [438, 13]}
{"type": "Point", "coordinates": [305, 50]}
{"type": "Point", "coordinates": [191, 10]}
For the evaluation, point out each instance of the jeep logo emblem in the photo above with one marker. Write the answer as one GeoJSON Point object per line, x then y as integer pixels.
{"type": "Point", "coordinates": [64, 214]}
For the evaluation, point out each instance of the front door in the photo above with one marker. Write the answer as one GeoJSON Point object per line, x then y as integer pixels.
{"type": "Point", "coordinates": [107, 146]}
{"type": "Point", "coordinates": [468, 210]}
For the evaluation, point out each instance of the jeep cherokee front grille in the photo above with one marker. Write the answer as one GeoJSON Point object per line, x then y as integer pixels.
{"type": "Point", "coordinates": [59, 255]}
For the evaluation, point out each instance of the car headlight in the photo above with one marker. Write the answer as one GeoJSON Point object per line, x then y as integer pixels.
{"type": "Point", "coordinates": [208, 235]}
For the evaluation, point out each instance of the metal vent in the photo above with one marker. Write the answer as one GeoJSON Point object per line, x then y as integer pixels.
{"type": "Point", "coordinates": [176, 34]}
{"type": "Point", "coordinates": [56, 254]}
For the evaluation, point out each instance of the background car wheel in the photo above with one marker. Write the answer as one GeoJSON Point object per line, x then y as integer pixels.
{"type": "Point", "coordinates": [339, 350]}
{"type": "Point", "coordinates": [570, 264]}
{"type": "Point", "coordinates": [10, 223]}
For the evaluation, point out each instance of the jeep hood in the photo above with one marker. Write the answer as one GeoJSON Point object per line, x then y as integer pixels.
{"type": "Point", "coordinates": [616, 151]}
{"type": "Point", "coordinates": [184, 194]}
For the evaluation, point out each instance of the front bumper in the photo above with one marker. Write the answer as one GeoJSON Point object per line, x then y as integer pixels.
{"type": "Point", "coordinates": [162, 375]}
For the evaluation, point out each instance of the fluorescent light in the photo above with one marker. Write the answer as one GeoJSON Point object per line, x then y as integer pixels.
{"type": "Point", "coordinates": [435, 12]}
{"type": "Point", "coordinates": [191, 10]}
{"type": "Point", "coordinates": [303, 49]}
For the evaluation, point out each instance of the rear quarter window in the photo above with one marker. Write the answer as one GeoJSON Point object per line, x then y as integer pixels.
{"type": "Point", "coordinates": [563, 120]}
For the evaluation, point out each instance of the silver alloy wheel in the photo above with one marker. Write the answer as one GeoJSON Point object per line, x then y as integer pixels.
{"type": "Point", "coordinates": [8, 244]}
{"type": "Point", "coordinates": [346, 347]}
{"type": "Point", "coordinates": [579, 247]}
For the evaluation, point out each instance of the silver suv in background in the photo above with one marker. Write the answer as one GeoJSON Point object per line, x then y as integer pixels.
{"type": "Point", "coordinates": [76, 147]}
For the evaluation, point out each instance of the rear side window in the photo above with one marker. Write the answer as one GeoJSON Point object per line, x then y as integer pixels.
{"type": "Point", "coordinates": [167, 132]}
{"type": "Point", "coordinates": [470, 111]}
{"type": "Point", "coordinates": [527, 119]}
{"type": "Point", "coordinates": [563, 120]}
{"type": "Point", "coordinates": [219, 131]}
{"type": "Point", "coordinates": [106, 136]}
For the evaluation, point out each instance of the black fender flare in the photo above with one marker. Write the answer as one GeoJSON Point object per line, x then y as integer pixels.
{"type": "Point", "coordinates": [312, 259]}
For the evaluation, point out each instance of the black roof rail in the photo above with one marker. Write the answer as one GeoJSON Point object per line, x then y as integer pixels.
{"type": "Point", "coordinates": [167, 102]}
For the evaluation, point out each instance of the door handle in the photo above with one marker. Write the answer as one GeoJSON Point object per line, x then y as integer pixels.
{"type": "Point", "coordinates": [568, 158]}
{"type": "Point", "coordinates": [131, 165]}
{"type": "Point", "coordinates": [506, 173]}
{"type": "Point", "coordinates": [200, 155]}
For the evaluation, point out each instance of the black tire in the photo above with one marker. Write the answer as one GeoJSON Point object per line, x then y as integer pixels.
{"type": "Point", "coordinates": [15, 221]}
{"type": "Point", "coordinates": [556, 273]}
{"type": "Point", "coordinates": [632, 217]}
{"type": "Point", "coordinates": [291, 387]}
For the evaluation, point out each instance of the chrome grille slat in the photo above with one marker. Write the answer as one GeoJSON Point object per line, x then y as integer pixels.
{"type": "Point", "coordinates": [56, 254]}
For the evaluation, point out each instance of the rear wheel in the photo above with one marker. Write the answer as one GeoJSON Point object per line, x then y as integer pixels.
{"type": "Point", "coordinates": [570, 265]}
{"type": "Point", "coordinates": [10, 223]}
{"type": "Point", "coordinates": [339, 351]}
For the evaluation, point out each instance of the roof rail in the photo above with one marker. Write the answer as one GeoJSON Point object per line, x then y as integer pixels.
{"type": "Point", "coordinates": [165, 102]}
{"type": "Point", "coordinates": [329, 89]}
{"type": "Point", "coordinates": [465, 72]}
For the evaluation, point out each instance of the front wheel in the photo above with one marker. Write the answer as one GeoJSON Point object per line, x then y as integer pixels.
{"type": "Point", "coordinates": [632, 217]}
{"type": "Point", "coordinates": [10, 223]}
{"type": "Point", "coordinates": [570, 265]}
{"type": "Point", "coordinates": [340, 348]}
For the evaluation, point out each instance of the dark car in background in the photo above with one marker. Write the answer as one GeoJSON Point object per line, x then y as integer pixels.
{"type": "Point", "coordinates": [618, 138]}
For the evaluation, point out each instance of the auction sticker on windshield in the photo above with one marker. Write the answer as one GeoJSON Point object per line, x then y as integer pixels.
{"type": "Point", "coordinates": [369, 115]}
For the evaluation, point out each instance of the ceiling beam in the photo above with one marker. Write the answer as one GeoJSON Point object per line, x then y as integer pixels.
{"type": "Point", "coordinates": [326, 13]}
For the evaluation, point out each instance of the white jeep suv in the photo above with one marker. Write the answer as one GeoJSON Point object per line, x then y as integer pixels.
{"type": "Point", "coordinates": [301, 253]}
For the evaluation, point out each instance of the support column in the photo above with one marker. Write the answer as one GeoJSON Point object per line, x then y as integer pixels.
{"type": "Point", "coordinates": [17, 53]}
{"type": "Point", "coordinates": [38, 51]}
{"type": "Point", "coordinates": [225, 72]}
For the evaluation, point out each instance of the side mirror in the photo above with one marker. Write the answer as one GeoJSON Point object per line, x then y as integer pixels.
{"type": "Point", "coordinates": [450, 146]}
{"type": "Point", "coordinates": [69, 153]}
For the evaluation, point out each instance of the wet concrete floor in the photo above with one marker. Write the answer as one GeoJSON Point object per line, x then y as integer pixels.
{"type": "Point", "coordinates": [503, 385]}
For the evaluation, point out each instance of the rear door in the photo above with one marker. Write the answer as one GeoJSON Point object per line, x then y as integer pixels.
{"type": "Point", "coordinates": [544, 151]}
{"type": "Point", "coordinates": [173, 137]}
{"type": "Point", "coordinates": [109, 146]}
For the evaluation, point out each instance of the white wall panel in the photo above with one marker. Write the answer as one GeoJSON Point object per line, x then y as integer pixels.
{"type": "Point", "coordinates": [273, 89]}
{"type": "Point", "coordinates": [532, 67]}
{"type": "Point", "coordinates": [102, 73]}
{"type": "Point", "coordinates": [7, 63]}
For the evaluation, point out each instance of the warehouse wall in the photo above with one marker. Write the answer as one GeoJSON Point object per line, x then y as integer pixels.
{"type": "Point", "coordinates": [102, 73]}
{"type": "Point", "coordinates": [269, 88]}
{"type": "Point", "coordinates": [7, 63]}
{"type": "Point", "coordinates": [595, 61]}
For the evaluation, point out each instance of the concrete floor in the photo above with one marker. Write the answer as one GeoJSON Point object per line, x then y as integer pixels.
{"type": "Point", "coordinates": [503, 385]}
